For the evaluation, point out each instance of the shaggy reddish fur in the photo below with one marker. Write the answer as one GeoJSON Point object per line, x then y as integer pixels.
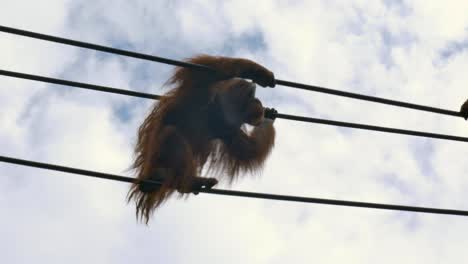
{"type": "Point", "coordinates": [187, 126]}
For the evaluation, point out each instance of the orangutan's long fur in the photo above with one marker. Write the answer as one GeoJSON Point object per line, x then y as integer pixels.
{"type": "Point", "coordinates": [189, 124]}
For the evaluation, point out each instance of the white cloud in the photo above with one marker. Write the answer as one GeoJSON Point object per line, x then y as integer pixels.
{"type": "Point", "coordinates": [384, 48]}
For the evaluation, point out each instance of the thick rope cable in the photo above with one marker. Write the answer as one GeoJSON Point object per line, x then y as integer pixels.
{"type": "Point", "coordinates": [275, 115]}
{"type": "Point", "coordinates": [268, 196]}
{"type": "Point", "coordinates": [81, 85]}
{"type": "Point", "coordinates": [142, 56]}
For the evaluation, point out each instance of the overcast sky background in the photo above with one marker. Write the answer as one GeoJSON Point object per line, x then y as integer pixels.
{"type": "Point", "coordinates": [414, 51]}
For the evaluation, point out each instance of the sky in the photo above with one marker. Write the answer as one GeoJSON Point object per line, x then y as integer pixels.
{"type": "Point", "coordinates": [415, 51]}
